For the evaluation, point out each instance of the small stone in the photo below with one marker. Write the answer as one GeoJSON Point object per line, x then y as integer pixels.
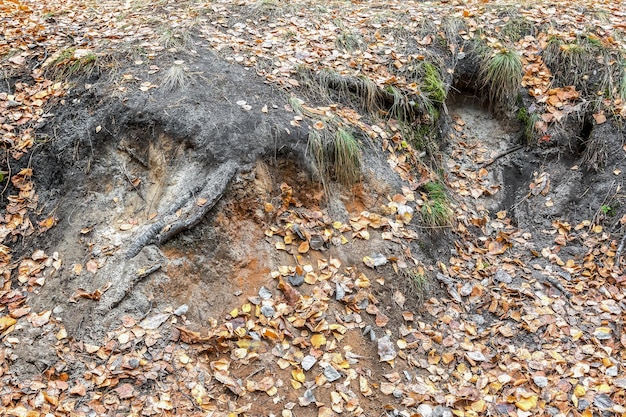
{"type": "Point", "coordinates": [331, 374]}
{"type": "Point", "coordinates": [466, 289]}
{"type": "Point", "coordinates": [602, 333]}
{"type": "Point", "coordinates": [386, 349]}
{"type": "Point", "coordinates": [620, 382]}
{"type": "Point", "coordinates": [441, 411]}
{"type": "Point", "coordinates": [268, 311]}
{"type": "Point", "coordinates": [339, 292]}
{"type": "Point", "coordinates": [603, 402]}
{"type": "Point", "coordinates": [502, 276]}
{"type": "Point", "coordinates": [583, 404]}
{"type": "Point", "coordinates": [612, 371]}
{"type": "Point", "coordinates": [265, 294]}
{"type": "Point", "coordinates": [540, 381]}
{"type": "Point", "coordinates": [307, 362]}
{"type": "Point", "coordinates": [425, 410]}
{"type": "Point", "coordinates": [476, 356]}
{"type": "Point", "coordinates": [316, 242]}
{"type": "Point", "coordinates": [181, 310]}
{"type": "Point", "coordinates": [307, 398]}
{"type": "Point", "coordinates": [296, 280]}
{"type": "Point", "coordinates": [553, 411]}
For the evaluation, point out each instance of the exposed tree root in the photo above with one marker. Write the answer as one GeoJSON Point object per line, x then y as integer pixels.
{"type": "Point", "coordinates": [187, 213]}
{"type": "Point", "coordinates": [137, 278]}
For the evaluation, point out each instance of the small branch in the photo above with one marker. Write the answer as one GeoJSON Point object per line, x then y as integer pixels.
{"type": "Point", "coordinates": [130, 181]}
{"type": "Point", "coordinates": [501, 155]}
{"type": "Point", "coordinates": [618, 254]}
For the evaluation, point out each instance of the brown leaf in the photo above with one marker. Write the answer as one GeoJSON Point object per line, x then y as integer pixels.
{"type": "Point", "coordinates": [125, 391]}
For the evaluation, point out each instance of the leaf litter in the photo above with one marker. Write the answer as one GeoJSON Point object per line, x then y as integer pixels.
{"type": "Point", "coordinates": [515, 338]}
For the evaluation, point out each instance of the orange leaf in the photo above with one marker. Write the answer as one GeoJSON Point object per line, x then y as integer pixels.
{"type": "Point", "coordinates": [599, 118]}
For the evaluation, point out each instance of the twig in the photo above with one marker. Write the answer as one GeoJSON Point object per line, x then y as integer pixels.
{"type": "Point", "coordinates": [8, 176]}
{"type": "Point", "coordinates": [501, 155]}
{"type": "Point", "coordinates": [618, 254]}
{"type": "Point", "coordinates": [123, 168]}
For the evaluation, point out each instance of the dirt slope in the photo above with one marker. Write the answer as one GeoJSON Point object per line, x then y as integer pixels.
{"type": "Point", "coordinates": [179, 237]}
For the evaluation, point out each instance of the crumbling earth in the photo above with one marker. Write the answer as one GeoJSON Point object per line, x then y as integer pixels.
{"type": "Point", "coordinates": [179, 252]}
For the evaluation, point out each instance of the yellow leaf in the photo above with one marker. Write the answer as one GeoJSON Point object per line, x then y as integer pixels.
{"type": "Point", "coordinates": [6, 322]}
{"type": "Point", "coordinates": [318, 340]}
{"type": "Point", "coordinates": [298, 375]}
{"type": "Point", "coordinates": [526, 404]}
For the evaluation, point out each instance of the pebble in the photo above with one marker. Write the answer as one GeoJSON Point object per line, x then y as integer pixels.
{"type": "Point", "coordinates": [603, 401]}
{"type": "Point", "coordinates": [296, 280]}
{"type": "Point", "coordinates": [339, 292]}
{"type": "Point", "coordinates": [265, 294]}
{"type": "Point", "coordinates": [540, 381]}
{"type": "Point", "coordinates": [307, 362]}
{"type": "Point", "coordinates": [386, 349]}
{"type": "Point", "coordinates": [425, 410]}
{"type": "Point", "coordinates": [317, 242]}
{"type": "Point", "coordinates": [583, 404]}
{"type": "Point", "coordinates": [502, 276]}
{"type": "Point", "coordinates": [331, 374]}
{"type": "Point", "coordinates": [441, 411]}
{"type": "Point", "coordinates": [268, 311]}
{"type": "Point", "coordinates": [181, 310]}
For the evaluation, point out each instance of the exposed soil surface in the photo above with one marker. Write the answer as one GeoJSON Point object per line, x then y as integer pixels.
{"type": "Point", "coordinates": [198, 261]}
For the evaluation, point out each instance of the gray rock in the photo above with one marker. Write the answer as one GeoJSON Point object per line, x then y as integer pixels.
{"type": "Point", "coordinates": [268, 311]}
{"type": "Point", "coordinates": [181, 310]}
{"type": "Point", "coordinates": [603, 401]}
{"type": "Point", "coordinates": [425, 410]}
{"type": "Point", "coordinates": [540, 381]}
{"type": "Point", "coordinates": [502, 276]}
{"type": "Point", "coordinates": [265, 294]}
{"type": "Point", "coordinates": [339, 292]}
{"type": "Point", "coordinates": [331, 373]}
{"type": "Point", "coordinates": [441, 411]}
{"type": "Point", "coordinates": [296, 280]}
{"type": "Point", "coordinates": [583, 404]}
{"type": "Point", "coordinates": [307, 362]}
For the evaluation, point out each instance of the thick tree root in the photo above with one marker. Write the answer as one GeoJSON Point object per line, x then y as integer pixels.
{"type": "Point", "coordinates": [187, 213]}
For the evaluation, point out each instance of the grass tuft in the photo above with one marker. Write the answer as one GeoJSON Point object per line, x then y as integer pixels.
{"type": "Point", "coordinates": [528, 121]}
{"type": "Point", "coordinates": [347, 161]}
{"type": "Point", "coordinates": [502, 76]}
{"type": "Point", "coordinates": [586, 63]}
{"type": "Point", "coordinates": [436, 210]}
{"type": "Point", "coordinates": [418, 284]}
{"type": "Point", "coordinates": [72, 62]}
{"type": "Point", "coordinates": [175, 77]}
{"type": "Point", "coordinates": [433, 83]}
{"type": "Point", "coordinates": [348, 39]}
{"type": "Point", "coordinates": [516, 28]}
{"type": "Point", "coordinates": [173, 38]}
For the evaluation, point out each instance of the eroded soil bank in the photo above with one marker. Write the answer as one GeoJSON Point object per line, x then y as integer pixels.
{"type": "Point", "coordinates": [193, 257]}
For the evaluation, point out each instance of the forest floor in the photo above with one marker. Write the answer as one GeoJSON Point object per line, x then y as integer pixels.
{"type": "Point", "coordinates": [303, 208]}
